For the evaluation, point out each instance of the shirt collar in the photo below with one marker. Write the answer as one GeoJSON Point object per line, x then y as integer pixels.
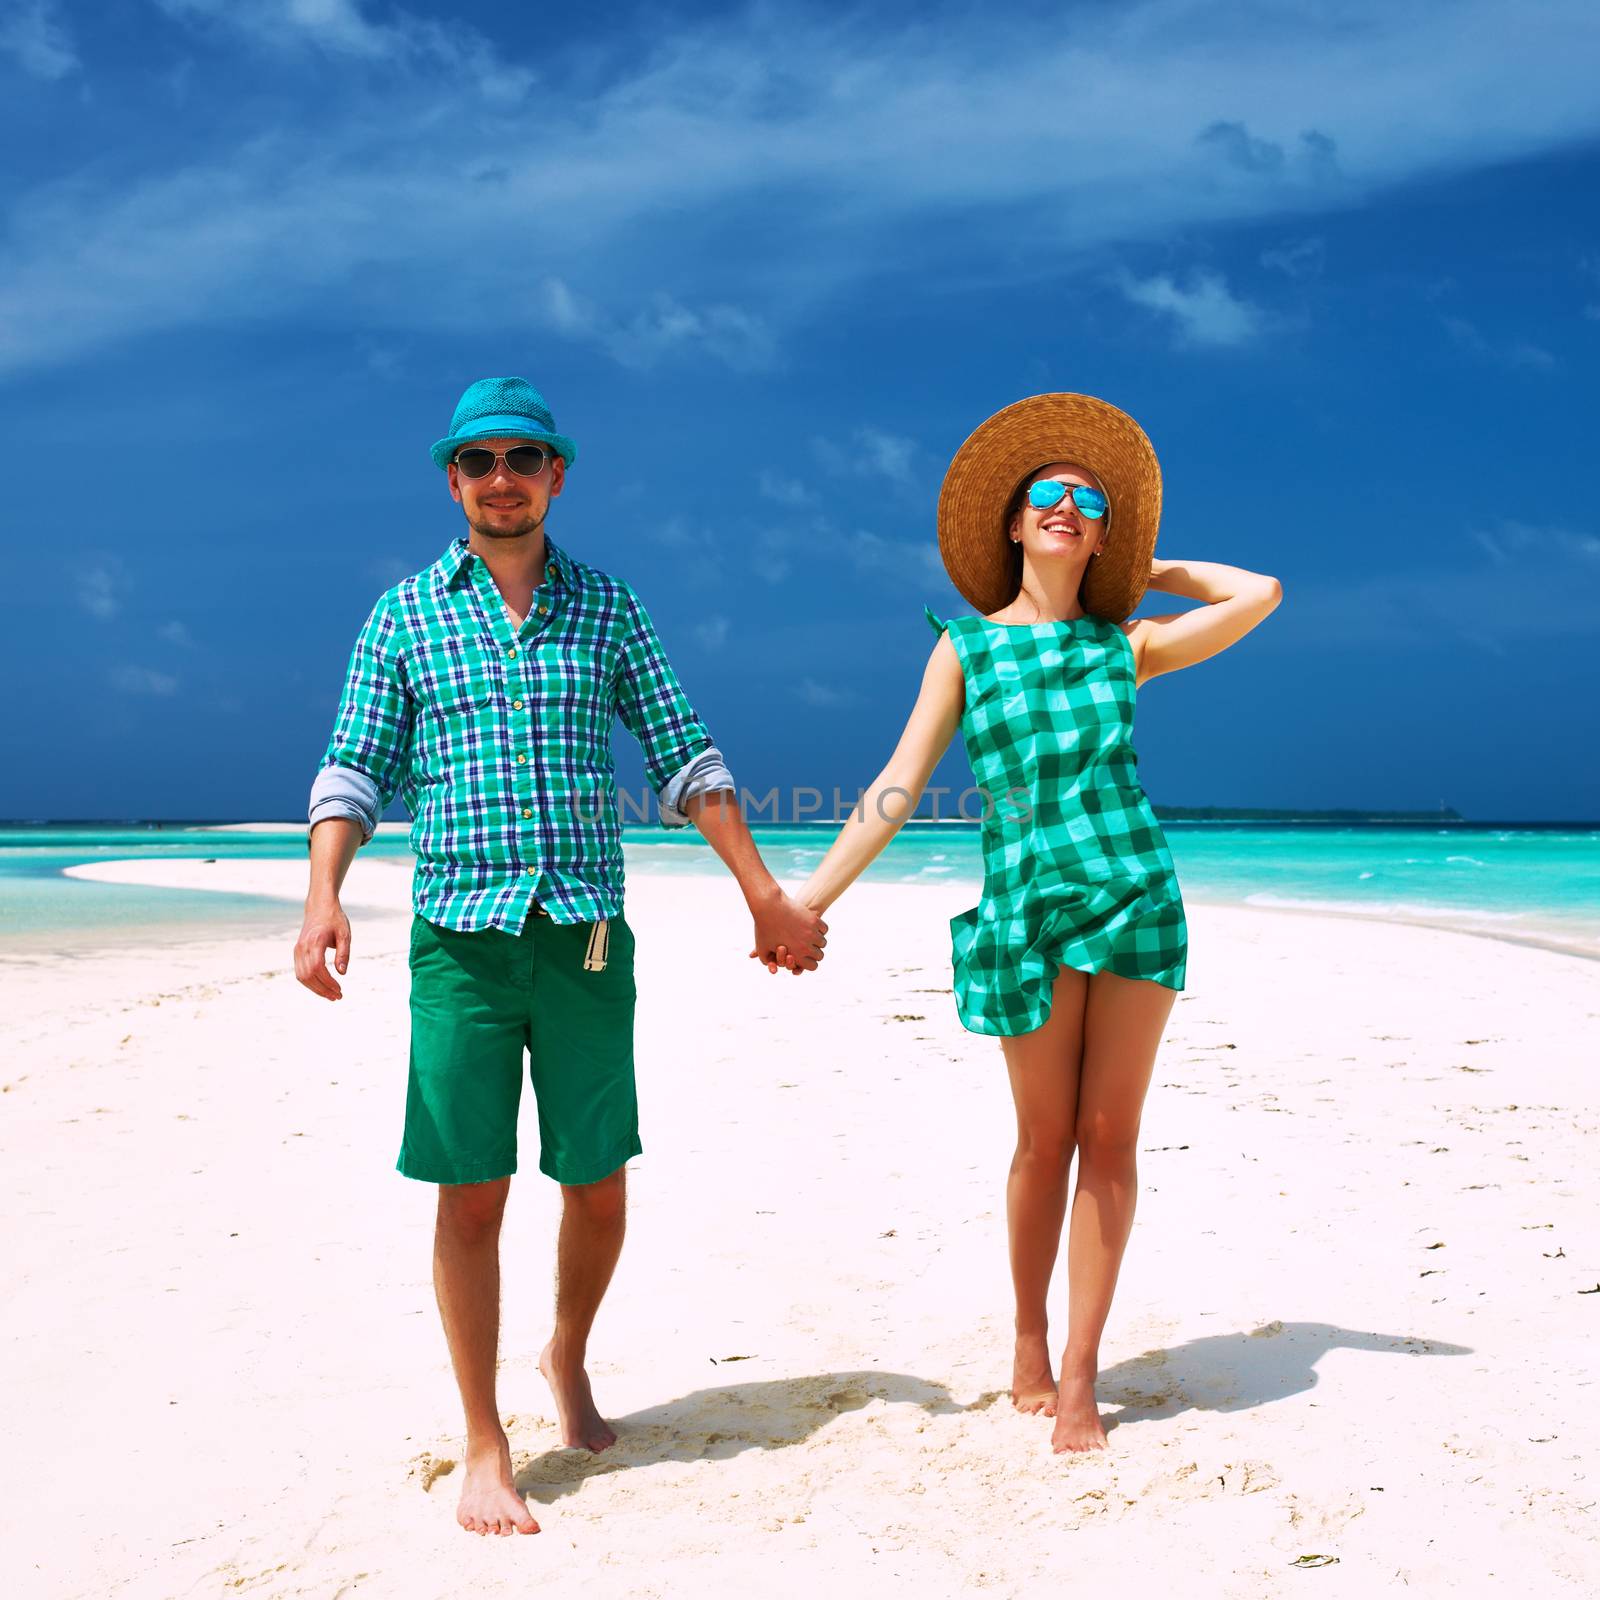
{"type": "Point", "coordinates": [458, 558]}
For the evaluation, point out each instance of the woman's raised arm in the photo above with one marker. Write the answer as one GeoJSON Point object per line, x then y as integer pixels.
{"type": "Point", "coordinates": [1238, 600]}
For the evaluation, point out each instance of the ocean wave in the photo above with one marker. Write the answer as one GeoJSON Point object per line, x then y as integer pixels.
{"type": "Point", "coordinates": [1372, 908]}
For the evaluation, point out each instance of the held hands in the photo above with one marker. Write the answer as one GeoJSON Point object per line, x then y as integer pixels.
{"type": "Point", "coordinates": [788, 934]}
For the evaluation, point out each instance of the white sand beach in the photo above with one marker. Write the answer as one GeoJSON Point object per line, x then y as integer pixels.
{"type": "Point", "coordinates": [1357, 1319]}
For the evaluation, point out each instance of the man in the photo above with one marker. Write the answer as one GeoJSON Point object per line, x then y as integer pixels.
{"type": "Point", "coordinates": [483, 691]}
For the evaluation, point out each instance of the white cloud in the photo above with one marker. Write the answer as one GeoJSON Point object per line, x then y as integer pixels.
{"type": "Point", "coordinates": [733, 336]}
{"type": "Point", "coordinates": [826, 696]}
{"type": "Point", "coordinates": [711, 633]}
{"type": "Point", "coordinates": [390, 567]}
{"type": "Point", "coordinates": [101, 583]}
{"type": "Point", "coordinates": [1531, 582]}
{"type": "Point", "coordinates": [32, 34]}
{"type": "Point", "coordinates": [335, 25]}
{"type": "Point", "coordinates": [1589, 266]}
{"type": "Point", "coordinates": [784, 491]}
{"type": "Point", "coordinates": [660, 329]}
{"type": "Point", "coordinates": [341, 30]}
{"type": "Point", "coordinates": [727, 181]}
{"type": "Point", "coordinates": [767, 555]}
{"type": "Point", "coordinates": [1512, 543]}
{"type": "Point", "coordinates": [1503, 353]}
{"type": "Point", "coordinates": [676, 534]}
{"type": "Point", "coordinates": [143, 680]}
{"type": "Point", "coordinates": [176, 633]}
{"type": "Point", "coordinates": [886, 454]}
{"type": "Point", "coordinates": [857, 551]}
{"type": "Point", "coordinates": [1302, 259]}
{"type": "Point", "coordinates": [1204, 311]}
{"type": "Point", "coordinates": [564, 310]}
{"type": "Point", "coordinates": [384, 361]}
{"type": "Point", "coordinates": [914, 560]}
{"type": "Point", "coordinates": [870, 452]}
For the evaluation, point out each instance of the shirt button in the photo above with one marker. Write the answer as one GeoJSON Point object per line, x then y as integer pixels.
{"type": "Point", "coordinates": [522, 759]}
{"type": "Point", "coordinates": [530, 870]}
{"type": "Point", "coordinates": [516, 705]}
{"type": "Point", "coordinates": [511, 650]}
{"type": "Point", "coordinates": [526, 812]}
{"type": "Point", "coordinates": [543, 609]}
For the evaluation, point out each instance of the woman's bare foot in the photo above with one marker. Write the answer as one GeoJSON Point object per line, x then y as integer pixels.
{"type": "Point", "coordinates": [581, 1424]}
{"type": "Point", "coordinates": [1033, 1390]}
{"type": "Point", "coordinates": [1077, 1417]}
{"type": "Point", "coordinates": [489, 1500]}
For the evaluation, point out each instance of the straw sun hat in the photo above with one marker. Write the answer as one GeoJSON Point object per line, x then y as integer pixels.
{"type": "Point", "coordinates": [1014, 443]}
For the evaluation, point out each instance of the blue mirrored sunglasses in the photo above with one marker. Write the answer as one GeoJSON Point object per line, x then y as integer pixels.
{"type": "Point", "coordinates": [1051, 491]}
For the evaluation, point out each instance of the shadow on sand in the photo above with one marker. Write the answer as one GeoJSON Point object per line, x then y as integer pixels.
{"type": "Point", "coordinates": [1221, 1372]}
{"type": "Point", "coordinates": [717, 1424]}
{"type": "Point", "coordinates": [1238, 1371]}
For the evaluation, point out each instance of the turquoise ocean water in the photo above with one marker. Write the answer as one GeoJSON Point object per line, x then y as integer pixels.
{"type": "Point", "coordinates": [1535, 882]}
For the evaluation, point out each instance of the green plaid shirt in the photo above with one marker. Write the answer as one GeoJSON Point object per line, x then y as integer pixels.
{"type": "Point", "coordinates": [497, 739]}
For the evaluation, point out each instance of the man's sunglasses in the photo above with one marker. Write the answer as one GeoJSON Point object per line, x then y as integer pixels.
{"type": "Point", "coordinates": [526, 460]}
{"type": "Point", "coordinates": [1049, 492]}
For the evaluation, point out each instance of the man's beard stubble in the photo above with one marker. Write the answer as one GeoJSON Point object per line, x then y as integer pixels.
{"type": "Point", "coordinates": [530, 524]}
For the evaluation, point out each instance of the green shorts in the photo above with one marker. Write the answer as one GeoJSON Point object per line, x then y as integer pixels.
{"type": "Point", "coordinates": [478, 1000]}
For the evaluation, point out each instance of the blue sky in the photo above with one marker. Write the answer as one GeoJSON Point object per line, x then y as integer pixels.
{"type": "Point", "coordinates": [770, 265]}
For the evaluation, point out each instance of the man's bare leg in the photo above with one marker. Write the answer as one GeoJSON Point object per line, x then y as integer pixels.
{"type": "Point", "coordinates": [466, 1280]}
{"type": "Point", "coordinates": [593, 1218]}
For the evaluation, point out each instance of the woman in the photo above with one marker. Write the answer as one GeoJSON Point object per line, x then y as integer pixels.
{"type": "Point", "coordinates": [1076, 952]}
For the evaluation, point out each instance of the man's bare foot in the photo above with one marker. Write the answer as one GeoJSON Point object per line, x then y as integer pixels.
{"type": "Point", "coordinates": [489, 1500]}
{"type": "Point", "coordinates": [1077, 1417]}
{"type": "Point", "coordinates": [1033, 1390]}
{"type": "Point", "coordinates": [581, 1424]}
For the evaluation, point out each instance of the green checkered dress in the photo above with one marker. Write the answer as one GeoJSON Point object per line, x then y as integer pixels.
{"type": "Point", "coordinates": [1076, 869]}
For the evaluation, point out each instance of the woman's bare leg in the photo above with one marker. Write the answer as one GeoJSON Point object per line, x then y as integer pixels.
{"type": "Point", "coordinates": [1122, 1026]}
{"type": "Point", "coordinates": [1043, 1067]}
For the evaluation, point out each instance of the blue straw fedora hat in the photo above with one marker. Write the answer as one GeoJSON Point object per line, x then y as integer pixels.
{"type": "Point", "coordinates": [502, 408]}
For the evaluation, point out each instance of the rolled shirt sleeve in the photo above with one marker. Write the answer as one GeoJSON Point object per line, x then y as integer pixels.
{"type": "Point", "coordinates": [369, 751]}
{"type": "Point", "coordinates": [700, 775]}
{"type": "Point", "coordinates": [655, 710]}
{"type": "Point", "coordinates": [344, 792]}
